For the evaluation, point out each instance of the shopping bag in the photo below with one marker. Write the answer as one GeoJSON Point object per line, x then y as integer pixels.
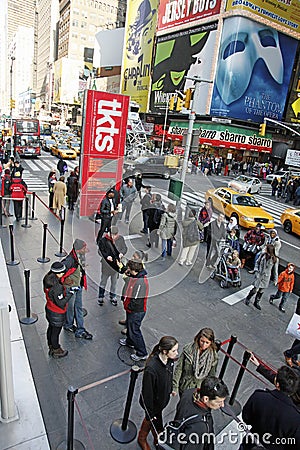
{"type": "Point", "coordinates": [293, 328]}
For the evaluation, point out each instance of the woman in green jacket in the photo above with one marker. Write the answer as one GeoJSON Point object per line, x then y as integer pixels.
{"type": "Point", "coordinates": [198, 360]}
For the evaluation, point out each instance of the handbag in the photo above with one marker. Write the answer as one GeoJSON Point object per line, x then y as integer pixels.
{"type": "Point", "coordinates": [171, 437]}
{"type": "Point", "coordinates": [174, 242]}
{"type": "Point", "coordinates": [293, 328]}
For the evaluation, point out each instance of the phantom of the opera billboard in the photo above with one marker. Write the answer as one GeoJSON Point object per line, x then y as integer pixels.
{"type": "Point", "coordinates": [253, 72]}
{"type": "Point", "coordinates": [104, 138]}
{"type": "Point", "coordinates": [185, 53]}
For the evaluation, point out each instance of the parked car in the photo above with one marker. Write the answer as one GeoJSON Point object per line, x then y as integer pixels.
{"type": "Point", "coordinates": [64, 151]}
{"type": "Point", "coordinates": [47, 144]}
{"type": "Point", "coordinates": [290, 219]}
{"type": "Point", "coordinates": [149, 165]}
{"type": "Point", "coordinates": [243, 184]}
{"type": "Point", "coordinates": [247, 211]}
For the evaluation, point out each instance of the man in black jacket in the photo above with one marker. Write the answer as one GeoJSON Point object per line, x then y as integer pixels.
{"type": "Point", "coordinates": [107, 210]}
{"type": "Point", "coordinates": [199, 432]}
{"type": "Point", "coordinates": [112, 248]}
{"type": "Point", "coordinates": [273, 416]}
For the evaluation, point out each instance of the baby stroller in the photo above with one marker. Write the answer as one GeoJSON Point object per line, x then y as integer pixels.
{"type": "Point", "coordinates": [222, 270]}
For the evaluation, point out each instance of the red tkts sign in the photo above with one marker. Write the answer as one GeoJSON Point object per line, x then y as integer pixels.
{"type": "Point", "coordinates": [104, 138]}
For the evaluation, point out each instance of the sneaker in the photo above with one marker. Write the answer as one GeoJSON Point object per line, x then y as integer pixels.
{"type": "Point", "coordinates": [122, 322]}
{"type": "Point", "coordinates": [123, 342]}
{"type": "Point", "coordinates": [180, 263]}
{"type": "Point", "coordinates": [100, 301]}
{"type": "Point", "coordinates": [148, 245]}
{"type": "Point", "coordinates": [188, 263]}
{"type": "Point", "coordinates": [59, 353]}
{"type": "Point", "coordinates": [124, 331]}
{"type": "Point", "coordinates": [113, 301]}
{"type": "Point", "coordinates": [135, 357]}
{"type": "Point", "coordinates": [271, 299]}
{"type": "Point", "coordinates": [143, 231]}
{"type": "Point", "coordinates": [289, 361]}
{"type": "Point", "coordinates": [281, 308]}
{"type": "Point", "coordinates": [126, 221]}
{"type": "Point", "coordinates": [251, 271]}
{"type": "Point", "coordinates": [85, 335]}
{"type": "Point", "coordinates": [71, 329]}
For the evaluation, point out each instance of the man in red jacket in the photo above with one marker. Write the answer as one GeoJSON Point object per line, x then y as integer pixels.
{"type": "Point", "coordinates": [135, 305]}
{"type": "Point", "coordinates": [18, 189]}
{"type": "Point", "coordinates": [285, 286]}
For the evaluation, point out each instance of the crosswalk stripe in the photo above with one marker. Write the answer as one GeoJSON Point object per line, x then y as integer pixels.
{"type": "Point", "coordinates": [236, 297]}
{"type": "Point", "coordinates": [32, 166]}
{"type": "Point", "coordinates": [41, 165]}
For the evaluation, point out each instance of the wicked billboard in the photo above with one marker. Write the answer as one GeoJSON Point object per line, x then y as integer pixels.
{"type": "Point", "coordinates": [181, 54]}
{"type": "Point", "coordinates": [253, 72]}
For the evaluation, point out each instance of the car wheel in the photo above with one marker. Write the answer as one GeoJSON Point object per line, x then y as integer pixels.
{"type": "Point", "coordinates": [237, 218]}
{"type": "Point", "coordinates": [287, 226]}
{"type": "Point", "coordinates": [166, 175]}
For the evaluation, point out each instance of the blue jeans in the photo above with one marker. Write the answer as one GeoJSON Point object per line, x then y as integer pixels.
{"type": "Point", "coordinates": [126, 208]}
{"type": "Point", "coordinates": [134, 334]}
{"type": "Point", "coordinates": [166, 247]}
{"type": "Point", "coordinates": [74, 311]}
{"type": "Point", "coordinates": [105, 275]}
{"type": "Point", "coordinates": [283, 295]}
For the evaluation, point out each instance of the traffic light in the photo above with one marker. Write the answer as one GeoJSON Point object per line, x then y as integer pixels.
{"type": "Point", "coordinates": [262, 129]}
{"type": "Point", "coordinates": [12, 103]}
{"type": "Point", "coordinates": [179, 104]}
{"type": "Point", "coordinates": [172, 103]}
{"type": "Point", "coordinates": [188, 98]}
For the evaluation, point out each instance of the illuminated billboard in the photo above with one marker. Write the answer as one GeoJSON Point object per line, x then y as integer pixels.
{"type": "Point", "coordinates": [253, 72]}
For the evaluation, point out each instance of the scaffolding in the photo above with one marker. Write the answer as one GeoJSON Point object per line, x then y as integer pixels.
{"type": "Point", "coordinates": [136, 139]}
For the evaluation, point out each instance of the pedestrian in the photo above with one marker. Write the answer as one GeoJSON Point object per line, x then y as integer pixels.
{"type": "Point", "coordinates": [289, 191]}
{"type": "Point", "coordinates": [75, 279]}
{"type": "Point", "coordinates": [18, 189]}
{"type": "Point", "coordinates": [139, 184]}
{"type": "Point", "coordinates": [112, 248]}
{"type": "Point", "coordinates": [51, 181]}
{"type": "Point", "coordinates": [128, 195]}
{"type": "Point", "coordinates": [167, 230]}
{"type": "Point", "coordinates": [204, 217]}
{"type": "Point", "coordinates": [233, 225]}
{"type": "Point", "coordinates": [215, 237]}
{"type": "Point", "coordinates": [272, 239]}
{"type": "Point", "coordinates": [285, 286]}
{"type": "Point", "coordinates": [253, 243]}
{"type": "Point", "coordinates": [62, 166]}
{"type": "Point", "coordinates": [135, 305]}
{"type": "Point", "coordinates": [72, 190]}
{"type": "Point", "coordinates": [59, 194]}
{"type": "Point", "coordinates": [107, 210]}
{"type": "Point", "coordinates": [200, 403]}
{"type": "Point", "coordinates": [274, 184]}
{"type": "Point", "coordinates": [6, 193]}
{"type": "Point", "coordinates": [272, 414]}
{"type": "Point", "coordinates": [57, 298]}
{"type": "Point", "coordinates": [233, 241]}
{"type": "Point", "coordinates": [266, 263]}
{"type": "Point", "coordinates": [198, 360]}
{"type": "Point", "coordinates": [155, 212]}
{"type": "Point", "coordinates": [145, 207]}
{"type": "Point", "coordinates": [17, 169]}
{"type": "Point", "coordinates": [291, 355]}
{"type": "Point", "coordinates": [157, 388]}
{"type": "Point", "coordinates": [297, 196]}
{"type": "Point", "coordinates": [191, 228]}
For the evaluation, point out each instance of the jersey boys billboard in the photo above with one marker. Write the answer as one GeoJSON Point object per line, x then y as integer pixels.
{"type": "Point", "coordinates": [178, 12]}
{"type": "Point", "coordinates": [104, 137]}
{"type": "Point", "coordinates": [253, 72]}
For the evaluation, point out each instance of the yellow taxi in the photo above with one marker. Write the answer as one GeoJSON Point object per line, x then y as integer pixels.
{"type": "Point", "coordinates": [290, 219]}
{"type": "Point", "coordinates": [75, 145]}
{"type": "Point", "coordinates": [247, 211]}
{"type": "Point", "coordinates": [64, 151]}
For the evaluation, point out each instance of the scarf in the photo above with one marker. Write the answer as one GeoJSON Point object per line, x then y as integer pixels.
{"type": "Point", "coordinates": [202, 362]}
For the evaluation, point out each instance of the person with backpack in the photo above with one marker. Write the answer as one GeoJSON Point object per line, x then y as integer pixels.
{"type": "Point", "coordinates": [62, 166]}
{"type": "Point", "coordinates": [167, 230]}
{"type": "Point", "coordinates": [190, 238]}
{"type": "Point", "coordinates": [5, 192]}
{"type": "Point", "coordinates": [18, 189]}
{"type": "Point", "coordinates": [157, 388]}
{"type": "Point", "coordinates": [155, 212]}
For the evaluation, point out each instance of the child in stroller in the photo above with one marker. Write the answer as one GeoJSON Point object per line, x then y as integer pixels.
{"type": "Point", "coordinates": [233, 265]}
{"type": "Point", "coordinates": [228, 268]}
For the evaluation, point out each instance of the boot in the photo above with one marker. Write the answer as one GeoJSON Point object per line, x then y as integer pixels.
{"type": "Point", "coordinates": [257, 301]}
{"type": "Point", "coordinates": [59, 353]}
{"type": "Point", "coordinates": [243, 261]}
{"type": "Point", "coordinates": [143, 433]}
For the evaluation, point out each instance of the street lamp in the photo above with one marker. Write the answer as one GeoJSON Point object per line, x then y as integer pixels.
{"type": "Point", "coordinates": [12, 58]}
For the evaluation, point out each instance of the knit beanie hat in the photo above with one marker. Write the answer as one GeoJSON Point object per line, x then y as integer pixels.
{"type": "Point", "coordinates": [58, 267]}
{"type": "Point", "coordinates": [79, 244]}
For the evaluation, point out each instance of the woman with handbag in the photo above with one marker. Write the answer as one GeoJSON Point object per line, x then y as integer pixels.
{"type": "Point", "coordinates": [157, 388]}
{"type": "Point", "coordinates": [292, 353]}
{"type": "Point", "coordinates": [167, 230]}
{"type": "Point", "coordinates": [198, 360]}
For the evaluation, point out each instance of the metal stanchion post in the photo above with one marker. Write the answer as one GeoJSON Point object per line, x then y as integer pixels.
{"type": "Point", "coordinates": [71, 443]}
{"type": "Point", "coordinates": [30, 318]}
{"type": "Point", "coordinates": [26, 224]}
{"type": "Point", "coordinates": [124, 430]}
{"type": "Point", "coordinates": [61, 252]}
{"type": "Point", "coordinates": [44, 258]}
{"type": "Point", "coordinates": [233, 340]}
{"type": "Point", "coordinates": [1, 209]}
{"type": "Point", "coordinates": [13, 261]}
{"type": "Point", "coordinates": [33, 207]}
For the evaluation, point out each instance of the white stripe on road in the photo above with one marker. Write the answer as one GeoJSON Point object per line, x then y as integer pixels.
{"type": "Point", "coordinates": [132, 236]}
{"type": "Point", "coordinates": [42, 165]}
{"type": "Point", "coordinates": [237, 296]}
{"type": "Point", "coordinates": [32, 165]}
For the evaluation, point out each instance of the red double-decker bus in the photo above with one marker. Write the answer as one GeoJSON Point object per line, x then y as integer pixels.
{"type": "Point", "coordinates": [27, 137]}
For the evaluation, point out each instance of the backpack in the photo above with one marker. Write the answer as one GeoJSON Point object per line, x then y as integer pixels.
{"type": "Point", "coordinates": [171, 437]}
{"type": "Point", "coordinates": [192, 232]}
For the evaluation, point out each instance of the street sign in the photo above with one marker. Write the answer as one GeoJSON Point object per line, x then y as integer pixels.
{"type": "Point", "coordinates": [175, 189]}
{"type": "Point", "coordinates": [292, 158]}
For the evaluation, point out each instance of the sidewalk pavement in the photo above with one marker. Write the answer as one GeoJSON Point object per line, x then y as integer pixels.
{"type": "Point", "coordinates": [178, 305]}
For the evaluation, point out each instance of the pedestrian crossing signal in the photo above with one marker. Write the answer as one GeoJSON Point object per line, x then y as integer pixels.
{"type": "Point", "coordinates": [262, 129]}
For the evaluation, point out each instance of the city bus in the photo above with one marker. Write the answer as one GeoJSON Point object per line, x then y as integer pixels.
{"type": "Point", "coordinates": [27, 137]}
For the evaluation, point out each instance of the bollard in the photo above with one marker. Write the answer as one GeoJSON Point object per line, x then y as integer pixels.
{"type": "Point", "coordinates": [44, 258]}
{"type": "Point", "coordinates": [33, 207]}
{"type": "Point", "coordinates": [238, 381]}
{"type": "Point", "coordinates": [13, 261]}
{"type": "Point", "coordinates": [61, 252]}
{"type": "Point", "coordinates": [26, 225]}
{"type": "Point", "coordinates": [233, 340]}
{"type": "Point", "coordinates": [71, 443]}
{"type": "Point", "coordinates": [1, 210]}
{"type": "Point", "coordinates": [29, 319]}
{"type": "Point", "coordinates": [124, 430]}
